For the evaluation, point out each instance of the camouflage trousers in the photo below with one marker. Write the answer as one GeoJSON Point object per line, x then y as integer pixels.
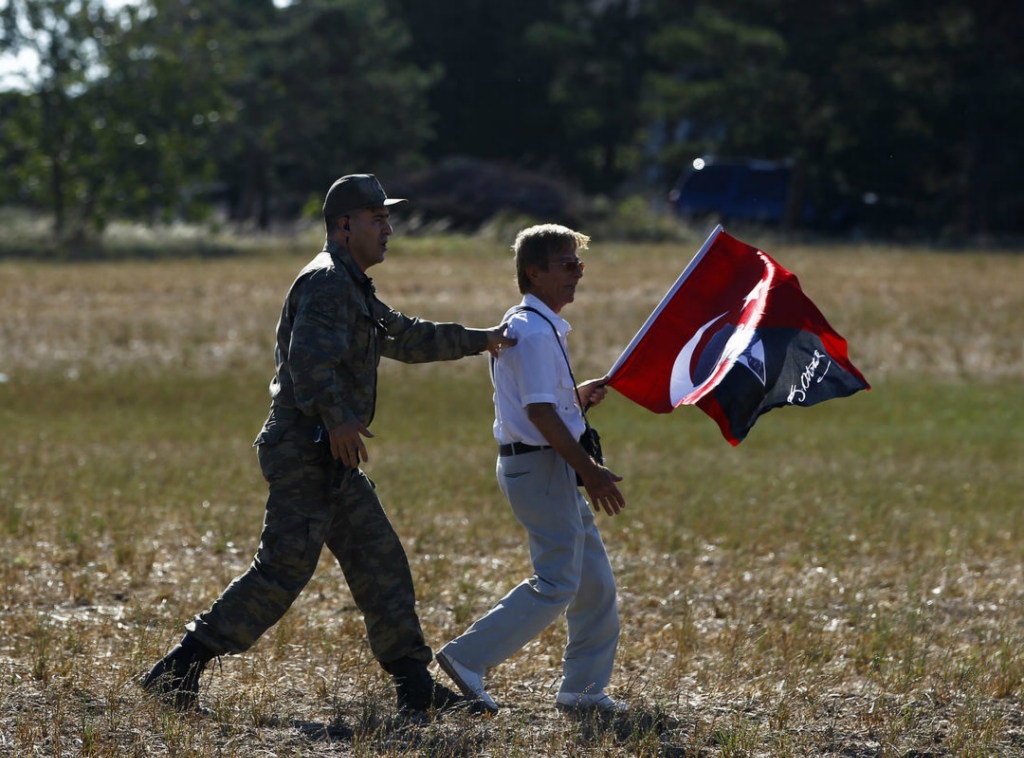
{"type": "Point", "coordinates": [315, 501]}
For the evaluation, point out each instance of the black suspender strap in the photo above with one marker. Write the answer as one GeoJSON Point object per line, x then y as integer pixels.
{"type": "Point", "coordinates": [565, 355]}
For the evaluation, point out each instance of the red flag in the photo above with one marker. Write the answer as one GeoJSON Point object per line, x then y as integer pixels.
{"type": "Point", "coordinates": [735, 336]}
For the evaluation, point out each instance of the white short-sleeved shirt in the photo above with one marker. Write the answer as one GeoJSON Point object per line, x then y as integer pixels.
{"type": "Point", "coordinates": [534, 370]}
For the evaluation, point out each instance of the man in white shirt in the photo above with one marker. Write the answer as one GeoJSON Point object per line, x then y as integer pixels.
{"type": "Point", "coordinates": [538, 423]}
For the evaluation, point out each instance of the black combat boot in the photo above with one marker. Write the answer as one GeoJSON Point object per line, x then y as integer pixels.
{"type": "Point", "coordinates": [175, 677]}
{"type": "Point", "coordinates": [418, 692]}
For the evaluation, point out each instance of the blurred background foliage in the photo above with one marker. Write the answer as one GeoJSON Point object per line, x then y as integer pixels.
{"type": "Point", "coordinates": [244, 111]}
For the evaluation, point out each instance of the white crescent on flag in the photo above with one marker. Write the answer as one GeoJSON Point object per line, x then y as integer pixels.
{"type": "Point", "coordinates": [681, 381]}
{"type": "Point", "coordinates": [766, 348]}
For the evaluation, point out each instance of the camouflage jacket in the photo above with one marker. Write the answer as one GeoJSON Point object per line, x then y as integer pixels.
{"type": "Point", "coordinates": [331, 335]}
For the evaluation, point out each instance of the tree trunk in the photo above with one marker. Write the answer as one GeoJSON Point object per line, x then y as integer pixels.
{"type": "Point", "coordinates": [53, 131]}
{"type": "Point", "coordinates": [794, 213]}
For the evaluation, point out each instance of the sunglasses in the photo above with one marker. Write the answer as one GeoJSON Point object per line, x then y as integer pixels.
{"type": "Point", "coordinates": [572, 267]}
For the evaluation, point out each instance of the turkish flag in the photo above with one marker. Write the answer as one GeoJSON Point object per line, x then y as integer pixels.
{"type": "Point", "coordinates": [735, 336]}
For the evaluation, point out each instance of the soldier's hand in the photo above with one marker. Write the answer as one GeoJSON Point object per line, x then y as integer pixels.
{"type": "Point", "coordinates": [498, 340]}
{"type": "Point", "coordinates": [347, 442]}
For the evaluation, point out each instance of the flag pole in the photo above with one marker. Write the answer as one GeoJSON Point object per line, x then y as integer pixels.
{"type": "Point", "coordinates": [664, 301]}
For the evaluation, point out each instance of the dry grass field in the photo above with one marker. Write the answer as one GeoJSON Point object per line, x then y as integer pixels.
{"type": "Point", "coordinates": [847, 582]}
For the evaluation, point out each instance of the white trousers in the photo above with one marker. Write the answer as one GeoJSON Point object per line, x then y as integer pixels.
{"type": "Point", "coordinates": [571, 575]}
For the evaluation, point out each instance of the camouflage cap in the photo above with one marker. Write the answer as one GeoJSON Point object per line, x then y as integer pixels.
{"type": "Point", "coordinates": [355, 191]}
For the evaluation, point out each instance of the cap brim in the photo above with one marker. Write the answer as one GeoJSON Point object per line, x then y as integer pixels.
{"type": "Point", "coordinates": [395, 201]}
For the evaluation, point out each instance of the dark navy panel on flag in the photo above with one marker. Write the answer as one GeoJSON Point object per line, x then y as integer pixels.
{"type": "Point", "coordinates": [800, 372]}
{"type": "Point", "coordinates": [735, 336]}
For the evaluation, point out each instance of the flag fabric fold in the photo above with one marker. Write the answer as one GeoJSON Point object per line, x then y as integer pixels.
{"type": "Point", "coordinates": [736, 336]}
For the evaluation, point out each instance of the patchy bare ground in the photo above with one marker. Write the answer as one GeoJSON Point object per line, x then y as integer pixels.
{"type": "Point", "coordinates": [743, 662]}
{"type": "Point", "coordinates": [848, 582]}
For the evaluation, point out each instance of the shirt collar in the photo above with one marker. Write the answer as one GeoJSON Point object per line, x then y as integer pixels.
{"type": "Point", "coordinates": [560, 323]}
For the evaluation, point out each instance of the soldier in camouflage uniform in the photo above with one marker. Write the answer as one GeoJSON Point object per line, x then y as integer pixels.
{"type": "Point", "coordinates": [331, 335]}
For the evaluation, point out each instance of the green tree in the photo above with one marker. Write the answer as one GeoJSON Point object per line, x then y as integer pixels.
{"type": "Point", "coordinates": [148, 111]}
{"type": "Point", "coordinates": [596, 57]}
{"type": "Point", "coordinates": [50, 120]}
{"type": "Point", "coordinates": [723, 83]}
{"type": "Point", "coordinates": [955, 72]}
{"type": "Point", "coordinates": [164, 106]}
{"type": "Point", "coordinates": [492, 98]}
{"type": "Point", "coordinates": [320, 88]}
{"type": "Point", "coordinates": [913, 104]}
{"type": "Point", "coordinates": [107, 126]}
{"type": "Point", "coordinates": [552, 85]}
{"type": "Point", "coordinates": [363, 103]}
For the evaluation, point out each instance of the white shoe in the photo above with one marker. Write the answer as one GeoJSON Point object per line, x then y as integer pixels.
{"type": "Point", "coordinates": [589, 701]}
{"type": "Point", "coordinates": [470, 682]}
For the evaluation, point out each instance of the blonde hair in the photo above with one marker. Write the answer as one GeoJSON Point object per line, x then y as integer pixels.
{"type": "Point", "coordinates": [535, 245]}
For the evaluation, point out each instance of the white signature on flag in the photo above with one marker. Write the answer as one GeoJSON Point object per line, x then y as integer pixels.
{"type": "Point", "coordinates": [799, 394]}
